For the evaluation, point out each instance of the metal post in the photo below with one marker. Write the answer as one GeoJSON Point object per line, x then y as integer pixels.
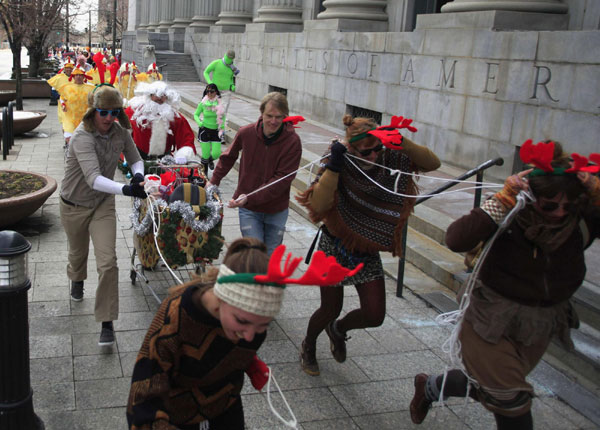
{"type": "Point", "coordinates": [90, 29]}
{"type": "Point", "coordinates": [4, 133]}
{"type": "Point", "coordinates": [114, 29]}
{"type": "Point", "coordinates": [402, 263]}
{"type": "Point", "coordinates": [16, 395]}
{"type": "Point", "coordinates": [479, 180]}
{"type": "Point", "coordinates": [9, 124]}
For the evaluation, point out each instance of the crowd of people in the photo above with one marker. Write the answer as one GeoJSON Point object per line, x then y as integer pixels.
{"type": "Point", "coordinates": [206, 334]}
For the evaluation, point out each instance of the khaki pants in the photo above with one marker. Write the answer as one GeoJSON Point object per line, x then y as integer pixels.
{"type": "Point", "coordinates": [81, 223]}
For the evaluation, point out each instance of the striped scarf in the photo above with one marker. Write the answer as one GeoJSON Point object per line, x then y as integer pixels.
{"type": "Point", "coordinates": [365, 217]}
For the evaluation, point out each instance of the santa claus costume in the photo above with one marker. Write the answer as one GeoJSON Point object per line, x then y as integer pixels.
{"type": "Point", "coordinates": [158, 128]}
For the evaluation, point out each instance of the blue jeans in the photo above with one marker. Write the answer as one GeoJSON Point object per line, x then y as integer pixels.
{"type": "Point", "coordinates": [267, 227]}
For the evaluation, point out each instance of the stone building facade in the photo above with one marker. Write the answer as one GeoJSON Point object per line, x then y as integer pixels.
{"type": "Point", "coordinates": [478, 78]}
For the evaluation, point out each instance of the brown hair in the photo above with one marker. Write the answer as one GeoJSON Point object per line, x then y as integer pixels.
{"type": "Point", "coordinates": [358, 125]}
{"type": "Point", "coordinates": [279, 101]}
{"type": "Point", "coordinates": [548, 186]}
{"type": "Point", "coordinates": [244, 255]}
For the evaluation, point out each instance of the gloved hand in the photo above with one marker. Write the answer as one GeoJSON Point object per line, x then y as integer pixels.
{"type": "Point", "coordinates": [137, 178]}
{"type": "Point", "coordinates": [512, 186]}
{"type": "Point", "coordinates": [258, 372]}
{"type": "Point", "coordinates": [134, 190]}
{"type": "Point", "coordinates": [233, 88]}
{"type": "Point", "coordinates": [336, 157]}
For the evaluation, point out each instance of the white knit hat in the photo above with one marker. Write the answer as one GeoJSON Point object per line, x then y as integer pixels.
{"type": "Point", "coordinates": [258, 299]}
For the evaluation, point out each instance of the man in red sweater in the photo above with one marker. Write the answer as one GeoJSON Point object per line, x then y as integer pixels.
{"type": "Point", "coordinates": [158, 128]}
{"type": "Point", "coordinates": [271, 150]}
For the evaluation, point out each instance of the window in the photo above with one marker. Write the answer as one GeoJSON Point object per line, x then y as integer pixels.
{"type": "Point", "coordinates": [367, 113]}
{"type": "Point", "coordinates": [273, 88]}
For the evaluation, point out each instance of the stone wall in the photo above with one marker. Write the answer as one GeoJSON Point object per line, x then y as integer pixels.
{"type": "Point", "coordinates": [474, 94]}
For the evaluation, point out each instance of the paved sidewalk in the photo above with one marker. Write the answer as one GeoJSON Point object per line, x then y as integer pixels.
{"type": "Point", "coordinates": [78, 385]}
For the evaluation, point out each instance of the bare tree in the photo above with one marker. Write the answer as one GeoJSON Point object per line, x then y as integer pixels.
{"type": "Point", "coordinates": [28, 23]}
{"type": "Point", "coordinates": [44, 15]}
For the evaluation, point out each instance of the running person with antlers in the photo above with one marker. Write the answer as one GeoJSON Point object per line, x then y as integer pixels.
{"type": "Point", "coordinates": [353, 195]}
{"type": "Point", "coordinates": [522, 285]}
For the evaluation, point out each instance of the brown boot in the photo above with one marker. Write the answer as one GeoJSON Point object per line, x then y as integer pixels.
{"type": "Point", "coordinates": [419, 406]}
{"type": "Point", "coordinates": [308, 359]}
{"type": "Point", "coordinates": [337, 343]}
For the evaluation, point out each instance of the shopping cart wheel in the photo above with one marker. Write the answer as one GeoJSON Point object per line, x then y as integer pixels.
{"type": "Point", "coordinates": [132, 276]}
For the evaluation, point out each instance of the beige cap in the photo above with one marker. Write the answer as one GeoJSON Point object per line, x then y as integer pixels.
{"type": "Point", "coordinates": [258, 299]}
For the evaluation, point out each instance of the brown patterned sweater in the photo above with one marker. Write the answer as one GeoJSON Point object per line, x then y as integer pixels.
{"type": "Point", "coordinates": [187, 371]}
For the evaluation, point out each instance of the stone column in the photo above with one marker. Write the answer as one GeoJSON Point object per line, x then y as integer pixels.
{"type": "Point", "coordinates": [205, 15]}
{"type": "Point", "coordinates": [235, 14]}
{"type": "Point", "coordinates": [286, 14]}
{"type": "Point", "coordinates": [356, 15]}
{"type": "Point", "coordinates": [142, 9]}
{"type": "Point", "coordinates": [540, 6]}
{"type": "Point", "coordinates": [184, 11]}
{"type": "Point", "coordinates": [167, 12]}
{"type": "Point", "coordinates": [499, 15]}
{"type": "Point", "coordinates": [153, 14]}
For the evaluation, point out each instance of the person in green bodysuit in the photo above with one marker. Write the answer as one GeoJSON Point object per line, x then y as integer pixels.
{"type": "Point", "coordinates": [211, 126]}
{"type": "Point", "coordinates": [222, 71]}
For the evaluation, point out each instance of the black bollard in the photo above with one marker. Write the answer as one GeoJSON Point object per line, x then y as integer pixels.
{"type": "Point", "coordinates": [16, 396]}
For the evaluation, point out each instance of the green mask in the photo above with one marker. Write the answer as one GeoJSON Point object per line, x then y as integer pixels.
{"type": "Point", "coordinates": [228, 60]}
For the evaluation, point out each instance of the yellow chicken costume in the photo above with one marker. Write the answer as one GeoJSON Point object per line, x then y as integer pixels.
{"type": "Point", "coordinates": [152, 75]}
{"type": "Point", "coordinates": [74, 101]}
{"type": "Point", "coordinates": [128, 80]}
{"type": "Point", "coordinates": [60, 80]}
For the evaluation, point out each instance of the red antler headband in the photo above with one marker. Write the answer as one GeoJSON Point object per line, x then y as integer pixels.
{"type": "Point", "coordinates": [294, 120]}
{"type": "Point", "coordinates": [389, 134]}
{"type": "Point", "coordinates": [322, 271]}
{"type": "Point", "coordinates": [542, 153]}
{"type": "Point", "coordinates": [263, 294]}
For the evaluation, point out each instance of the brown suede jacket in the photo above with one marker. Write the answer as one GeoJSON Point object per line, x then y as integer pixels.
{"type": "Point", "coordinates": [516, 268]}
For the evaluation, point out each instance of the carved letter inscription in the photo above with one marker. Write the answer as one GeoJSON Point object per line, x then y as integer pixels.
{"type": "Point", "coordinates": [491, 86]}
{"type": "Point", "coordinates": [544, 83]}
{"type": "Point", "coordinates": [446, 78]}
{"type": "Point", "coordinates": [352, 63]}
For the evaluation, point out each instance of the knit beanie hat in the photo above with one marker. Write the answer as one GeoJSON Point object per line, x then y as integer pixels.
{"type": "Point", "coordinates": [259, 299]}
{"type": "Point", "coordinates": [104, 97]}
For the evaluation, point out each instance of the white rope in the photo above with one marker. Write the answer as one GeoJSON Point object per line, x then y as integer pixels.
{"type": "Point", "coordinates": [418, 175]}
{"type": "Point", "coordinates": [150, 206]}
{"type": "Point", "coordinates": [293, 423]}
{"type": "Point", "coordinates": [280, 179]}
{"type": "Point", "coordinates": [452, 346]}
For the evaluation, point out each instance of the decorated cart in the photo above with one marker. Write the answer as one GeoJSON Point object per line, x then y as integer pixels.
{"type": "Point", "coordinates": [177, 234]}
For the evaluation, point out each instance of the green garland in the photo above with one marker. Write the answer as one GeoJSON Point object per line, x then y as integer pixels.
{"type": "Point", "coordinates": [171, 250]}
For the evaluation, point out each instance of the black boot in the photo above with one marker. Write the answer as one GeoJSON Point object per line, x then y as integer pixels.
{"type": "Point", "coordinates": [204, 162]}
{"type": "Point", "coordinates": [211, 164]}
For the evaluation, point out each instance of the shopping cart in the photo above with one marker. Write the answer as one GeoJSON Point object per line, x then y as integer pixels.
{"type": "Point", "coordinates": [175, 238]}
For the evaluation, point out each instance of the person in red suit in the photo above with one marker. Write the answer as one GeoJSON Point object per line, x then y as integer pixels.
{"type": "Point", "coordinates": [158, 128]}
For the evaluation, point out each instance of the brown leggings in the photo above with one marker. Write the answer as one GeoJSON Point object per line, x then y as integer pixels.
{"type": "Point", "coordinates": [370, 314]}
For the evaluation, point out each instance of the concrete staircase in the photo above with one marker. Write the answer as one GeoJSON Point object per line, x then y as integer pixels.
{"type": "Point", "coordinates": [178, 66]}
{"type": "Point", "coordinates": [435, 273]}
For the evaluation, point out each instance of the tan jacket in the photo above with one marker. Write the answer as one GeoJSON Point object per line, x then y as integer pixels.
{"type": "Point", "coordinates": [91, 155]}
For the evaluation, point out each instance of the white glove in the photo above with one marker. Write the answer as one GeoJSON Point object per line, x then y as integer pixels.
{"type": "Point", "coordinates": [180, 160]}
{"type": "Point", "coordinates": [221, 133]}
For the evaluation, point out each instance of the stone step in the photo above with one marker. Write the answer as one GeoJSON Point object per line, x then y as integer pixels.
{"type": "Point", "coordinates": [178, 67]}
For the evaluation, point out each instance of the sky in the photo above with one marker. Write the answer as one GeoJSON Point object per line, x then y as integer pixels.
{"type": "Point", "coordinates": [80, 22]}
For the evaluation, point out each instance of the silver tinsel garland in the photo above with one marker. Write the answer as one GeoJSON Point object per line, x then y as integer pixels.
{"type": "Point", "coordinates": [142, 227]}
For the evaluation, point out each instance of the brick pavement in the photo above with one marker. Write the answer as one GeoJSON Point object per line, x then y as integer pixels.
{"type": "Point", "coordinates": [78, 385]}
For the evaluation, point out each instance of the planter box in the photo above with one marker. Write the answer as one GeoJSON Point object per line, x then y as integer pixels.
{"type": "Point", "coordinates": [32, 88]}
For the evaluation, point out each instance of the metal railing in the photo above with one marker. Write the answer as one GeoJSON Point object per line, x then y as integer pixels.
{"type": "Point", "coordinates": [478, 173]}
{"type": "Point", "coordinates": [8, 137]}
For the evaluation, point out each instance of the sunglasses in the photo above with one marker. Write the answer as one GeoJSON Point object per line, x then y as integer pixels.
{"type": "Point", "coordinates": [367, 152]}
{"type": "Point", "coordinates": [552, 206]}
{"type": "Point", "coordinates": [104, 112]}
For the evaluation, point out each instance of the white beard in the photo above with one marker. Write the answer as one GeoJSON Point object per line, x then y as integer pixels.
{"type": "Point", "coordinates": [147, 113]}
{"type": "Point", "coordinates": [158, 137]}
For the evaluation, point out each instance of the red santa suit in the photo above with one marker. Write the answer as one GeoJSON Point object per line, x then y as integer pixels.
{"type": "Point", "coordinates": [158, 129]}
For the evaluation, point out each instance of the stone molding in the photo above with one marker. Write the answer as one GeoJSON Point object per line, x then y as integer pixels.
{"type": "Point", "coordinates": [540, 6]}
